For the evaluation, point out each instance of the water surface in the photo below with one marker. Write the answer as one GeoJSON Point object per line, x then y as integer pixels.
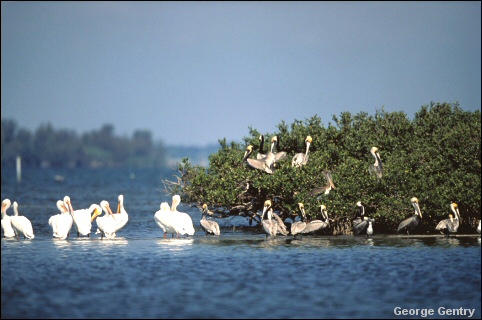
{"type": "Point", "coordinates": [240, 274]}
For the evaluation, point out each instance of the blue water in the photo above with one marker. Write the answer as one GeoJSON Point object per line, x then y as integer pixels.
{"type": "Point", "coordinates": [240, 274]}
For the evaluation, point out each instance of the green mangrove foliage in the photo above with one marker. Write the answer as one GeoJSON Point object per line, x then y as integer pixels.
{"type": "Point", "coordinates": [435, 157]}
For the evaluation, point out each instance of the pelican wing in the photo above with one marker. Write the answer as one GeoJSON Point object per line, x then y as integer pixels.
{"type": "Point", "coordinates": [297, 227]}
{"type": "Point", "coordinates": [317, 191]}
{"type": "Point", "coordinates": [408, 224]}
{"type": "Point", "coordinates": [210, 226]}
{"type": "Point", "coordinates": [360, 227]}
{"type": "Point", "coordinates": [314, 225]}
{"type": "Point", "coordinates": [259, 164]}
{"type": "Point", "coordinates": [281, 226]}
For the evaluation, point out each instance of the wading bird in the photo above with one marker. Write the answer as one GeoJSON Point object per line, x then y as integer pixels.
{"type": "Point", "coordinates": [82, 217]}
{"type": "Point", "coordinates": [300, 159]}
{"type": "Point", "coordinates": [361, 222]}
{"type": "Point", "coordinates": [183, 221]}
{"type": "Point", "coordinates": [326, 189]}
{"type": "Point", "coordinates": [269, 226]}
{"type": "Point", "coordinates": [165, 218]}
{"type": "Point", "coordinates": [8, 231]}
{"type": "Point", "coordinates": [209, 226]}
{"type": "Point", "coordinates": [314, 225]}
{"type": "Point", "coordinates": [21, 224]}
{"type": "Point", "coordinates": [450, 225]}
{"type": "Point", "coordinates": [376, 167]}
{"type": "Point", "coordinates": [259, 164]}
{"type": "Point", "coordinates": [411, 223]}
{"type": "Point", "coordinates": [106, 223]}
{"type": "Point", "coordinates": [61, 223]}
{"type": "Point", "coordinates": [121, 216]}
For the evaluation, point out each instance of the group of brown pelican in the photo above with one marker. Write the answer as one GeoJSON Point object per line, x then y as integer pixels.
{"type": "Point", "coordinates": [361, 224]}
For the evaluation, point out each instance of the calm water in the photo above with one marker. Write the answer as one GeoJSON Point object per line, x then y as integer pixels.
{"type": "Point", "coordinates": [237, 275]}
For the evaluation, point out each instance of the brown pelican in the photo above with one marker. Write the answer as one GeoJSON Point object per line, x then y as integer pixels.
{"type": "Point", "coordinates": [260, 164]}
{"type": "Point", "coordinates": [298, 226]}
{"type": "Point", "coordinates": [412, 222]}
{"type": "Point", "coordinates": [8, 232]}
{"type": "Point", "coordinates": [450, 225]}
{"type": "Point", "coordinates": [270, 226]}
{"type": "Point", "coordinates": [300, 159]}
{"type": "Point", "coordinates": [361, 223]}
{"type": "Point", "coordinates": [272, 157]}
{"type": "Point", "coordinates": [209, 226]}
{"type": "Point", "coordinates": [261, 154]}
{"type": "Point", "coordinates": [377, 167]}
{"type": "Point", "coordinates": [21, 224]}
{"type": "Point", "coordinates": [326, 189]}
{"type": "Point", "coordinates": [314, 225]}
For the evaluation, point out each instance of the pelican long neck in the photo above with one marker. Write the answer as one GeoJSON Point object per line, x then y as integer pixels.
{"type": "Point", "coordinates": [261, 144]}
{"type": "Point", "coordinates": [307, 147]}
{"type": "Point", "coordinates": [361, 210]}
{"type": "Point", "coordinates": [376, 158]}
{"type": "Point", "coordinates": [4, 210]}
{"type": "Point", "coordinates": [15, 209]}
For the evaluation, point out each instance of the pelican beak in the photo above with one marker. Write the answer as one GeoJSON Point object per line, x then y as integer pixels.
{"type": "Point", "coordinates": [451, 218]}
{"type": "Point", "coordinates": [110, 212]}
{"type": "Point", "coordinates": [118, 207]}
{"type": "Point", "coordinates": [417, 208]}
{"type": "Point", "coordinates": [95, 214]}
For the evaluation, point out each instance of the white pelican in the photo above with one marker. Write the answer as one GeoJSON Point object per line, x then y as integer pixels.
{"type": "Point", "coordinates": [8, 231]}
{"type": "Point", "coordinates": [325, 189]}
{"type": "Point", "coordinates": [183, 221]}
{"type": "Point", "coordinates": [209, 226]}
{"type": "Point", "coordinates": [314, 225]}
{"type": "Point", "coordinates": [376, 167]}
{"type": "Point", "coordinates": [82, 217]}
{"type": "Point", "coordinates": [61, 223]}
{"type": "Point", "coordinates": [269, 226]}
{"type": "Point", "coordinates": [21, 224]}
{"type": "Point", "coordinates": [412, 222]}
{"type": "Point", "coordinates": [165, 219]}
{"type": "Point", "coordinates": [450, 225]}
{"type": "Point", "coordinates": [121, 216]}
{"type": "Point", "coordinates": [106, 223]}
{"type": "Point", "coordinates": [300, 159]}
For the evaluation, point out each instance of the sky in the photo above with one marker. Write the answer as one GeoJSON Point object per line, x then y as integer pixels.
{"type": "Point", "coordinates": [195, 72]}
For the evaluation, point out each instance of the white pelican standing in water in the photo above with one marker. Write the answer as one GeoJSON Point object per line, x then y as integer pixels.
{"type": "Point", "coordinates": [61, 223]}
{"type": "Point", "coordinates": [106, 223]}
{"type": "Point", "coordinates": [183, 221]}
{"type": "Point", "coordinates": [121, 216]}
{"type": "Point", "coordinates": [165, 219]}
{"type": "Point", "coordinates": [411, 223]}
{"type": "Point", "coordinates": [21, 224]}
{"type": "Point", "coordinates": [376, 167]}
{"type": "Point", "coordinates": [450, 225]}
{"type": "Point", "coordinates": [8, 231]}
{"type": "Point", "coordinates": [300, 159]}
{"type": "Point", "coordinates": [82, 217]}
{"type": "Point", "coordinates": [209, 226]}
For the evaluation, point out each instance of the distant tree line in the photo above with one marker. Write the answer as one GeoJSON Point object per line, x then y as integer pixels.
{"type": "Point", "coordinates": [48, 147]}
{"type": "Point", "coordinates": [435, 157]}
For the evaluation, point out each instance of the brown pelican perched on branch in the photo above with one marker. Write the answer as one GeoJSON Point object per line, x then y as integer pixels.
{"type": "Point", "coordinates": [450, 225]}
{"type": "Point", "coordinates": [412, 222]}
{"type": "Point", "coordinates": [314, 225]}
{"type": "Point", "coordinates": [260, 164]}
{"type": "Point", "coordinates": [326, 189]}
{"type": "Point", "coordinates": [376, 167]}
{"type": "Point", "coordinates": [269, 226]}
{"type": "Point", "coordinates": [261, 154]}
{"type": "Point", "coordinates": [300, 159]}
{"type": "Point", "coordinates": [361, 222]}
{"type": "Point", "coordinates": [209, 226]}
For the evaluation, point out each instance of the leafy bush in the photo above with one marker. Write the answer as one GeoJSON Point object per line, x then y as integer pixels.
{"type": "Point", "coordinates": [435, 157]}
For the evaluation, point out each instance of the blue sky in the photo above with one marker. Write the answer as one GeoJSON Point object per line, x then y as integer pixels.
{"type": "Point", "coordinates": [196, 72]}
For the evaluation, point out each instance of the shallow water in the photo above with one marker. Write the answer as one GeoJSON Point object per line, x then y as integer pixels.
{"type": "Point", "coordinates": [239, 274]}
